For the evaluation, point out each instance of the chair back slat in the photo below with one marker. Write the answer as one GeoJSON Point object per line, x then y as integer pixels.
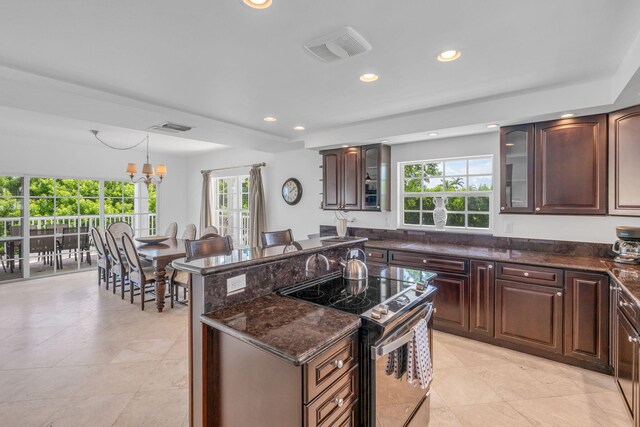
{"type": "Point", "coordinates": [98, 241]}
{"type": "Point", "coordinates": [207, 246]}
{"type": "Point", "coordinates": [172, 230]}
{"type": "Point", "coordinates": [189, 232]}
{"type": "Point", "coordinates": [276, 238]}
{"type": "Point", "coordinates": [119, 228]}
{"type": "Point", "coordinates": [131, 254]}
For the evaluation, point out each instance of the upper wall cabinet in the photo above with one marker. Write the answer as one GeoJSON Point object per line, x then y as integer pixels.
{"type": "Point", "coordinates": [624, 158]}
{"type": "Point", "coordinates": [555, 167]}
{"type": "Point", "coordinates": [516, 168]}
{"type": "Point", "coordinates": [356, 178]}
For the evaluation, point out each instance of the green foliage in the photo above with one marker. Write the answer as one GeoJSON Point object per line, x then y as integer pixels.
{"type": "Point", "coordinates": [427, 218]}
{"type": "Point", "coordinates": [479, 204]}
{"type": "Point", "coordinates": [479, 220]}
{"type": "Point", "coordinates": [10, 186]}
{"type": "Point", "coordinates": [412, 203]}
{"type": "Point", "coordinates": [89, 188]}
{"type": "Point", "coordinates": [455, 204]}
{"type": "Point", "coordinates": [412, 218]}
{"type": "Point", "coordinates": [455, 220]}
{"type": "Point", "coordinates": [428, 204]}
{"type": "Point", "coordinates": [41, 187]}
{"type": "Point", "coordinates": [112, 189]}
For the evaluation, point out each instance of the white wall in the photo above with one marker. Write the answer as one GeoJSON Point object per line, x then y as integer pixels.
{"type": "Point", "coordinates": [306, 217]}
{"type": "Point", "coordinates": [26, 156]}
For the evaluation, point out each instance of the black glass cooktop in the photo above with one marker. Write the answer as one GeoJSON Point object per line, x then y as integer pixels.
{"type": "Point", "coordinates": [340, 294]}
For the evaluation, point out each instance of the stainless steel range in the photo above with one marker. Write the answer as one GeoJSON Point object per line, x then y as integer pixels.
{"type": "Point", "coordinates": [389, 308]}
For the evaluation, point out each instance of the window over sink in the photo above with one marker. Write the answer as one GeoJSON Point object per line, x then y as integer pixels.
{"type": "Point", "coordinates": [465, 185]}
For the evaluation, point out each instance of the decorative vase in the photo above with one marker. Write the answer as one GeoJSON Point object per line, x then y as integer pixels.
{"type": "Point", "coordinates": [440, 213]}
{"type": "Point", "coordinates": [341, 227]}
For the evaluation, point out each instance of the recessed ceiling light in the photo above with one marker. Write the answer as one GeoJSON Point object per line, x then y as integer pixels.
{"type": "Point", "coordinates": [345, 146]}
{"type": "Point", "coordinates": [449, 55]}
{"type": "Point", "coordinates": [566, 116]}
{"type": "Point", "coordinates": [433, 134]}
{"type": "Point", "coordinates": [258, 4]}
{"type": "Point", "coordinates": [369, 77]}
{"type": "Point", "coordinates": [384, 141]}
{"type": "Point", "coordinates": [270, 119]}
{"type": "Point", "coordinates": [298, 128]}
{"type": "Point", "coordinates": [492, 126]}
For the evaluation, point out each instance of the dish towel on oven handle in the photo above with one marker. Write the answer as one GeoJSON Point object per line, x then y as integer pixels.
{"type": "Point", "coordinates": [419, 367]}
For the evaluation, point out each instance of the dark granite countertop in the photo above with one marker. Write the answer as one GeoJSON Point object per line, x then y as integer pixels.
{"type": "Point", "coordinates": [627, 276]}
{"type": "Point", "coordinates": [240, 258]}
{"type": "Point", "coordinates": [293, 330]}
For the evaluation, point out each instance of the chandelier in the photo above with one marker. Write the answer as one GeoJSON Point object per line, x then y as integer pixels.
{"type": "Point", "coordinates": [149, 175]}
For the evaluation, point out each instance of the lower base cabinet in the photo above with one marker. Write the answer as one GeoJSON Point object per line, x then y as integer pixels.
{"type": "Point", "coordinates": [529, 315]}
{"type": "Point", "coordinates": [626, 362]}
{"type": "Point", "coordinates": [452, 302]}
{"type": "Point", "coordinates": [481, 298]}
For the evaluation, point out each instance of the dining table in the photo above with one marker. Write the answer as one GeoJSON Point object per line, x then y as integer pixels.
{"type": "Point", "coordinates": [160, 255]}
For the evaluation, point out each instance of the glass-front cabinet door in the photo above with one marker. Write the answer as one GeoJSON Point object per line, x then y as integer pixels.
{"type": "Point", "coordinates": [376, 185]}
{"type": "Point", "coordinates": [516, 169]}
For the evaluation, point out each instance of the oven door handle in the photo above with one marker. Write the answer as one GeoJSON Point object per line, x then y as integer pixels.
{"type": "Point", "coordinates": [382, 350]}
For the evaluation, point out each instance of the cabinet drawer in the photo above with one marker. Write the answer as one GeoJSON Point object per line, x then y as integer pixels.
{"type": "Point", "coordinates": [376, 255]}
{"type": "Point", "coordinates": [629, 308]}
{"type": "Point", "coordinates": [528, 274]}
{"type": "Point", "coordinates": [334, 401]}
{"type": "Point", "coordinates": [348, 419]}
{"type": "Point", "coordinates": [331, 364]}
{"type": "Point", "coordinates": [413, 259]}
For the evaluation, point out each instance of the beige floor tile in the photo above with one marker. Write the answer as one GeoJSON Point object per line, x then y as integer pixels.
{"type": "Point", "coordinates": [12, 382]}
{"type": "Point", "coordinates": [39, 356]}
{"type": "Point", "coordinates": [94, 411]}
{"type": "Point", "coordinates": [610, 403]}
{"type": "Point", "coordinates": [463, 386]}
{"type": "Point", "coordinates": [179, 350]}
{"type": "Point", "coordinates": [436, 400]}
{"type": "Point", "coordinates": [57, 382]}
{"type": "Point", "coordinates": [118, 378]}
{"type": "Point", "coordinates": [169, 374]}
{"type": "Point", "coordinates": [499, 414]}
{"type": "Point", "coordinates": [474, 353]}
{"type": "Point", "coordinates": [562, 411]}
{"type": "Point", "coordinates": [155, 408]}
{"type": "Point", "coordinates": [443, 417]}
{"type": "Point", "coordinates": [29, 413]}
{"type": "Point", "coordinates": [443, 358]}
{"type": "Point", "coordinates": [94, 353]}
{"type": "Point", "coordinates": [512, 382]}
{"type": "Point", "coordinates": [144, 350]}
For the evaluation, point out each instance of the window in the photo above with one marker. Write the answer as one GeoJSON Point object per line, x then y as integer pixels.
{"type": "Point", "coordinates": [52, 235]}
{"type": "Point", "coordinates": [231, 215]}
{"type": "Point", "coordinates": [465, 184]}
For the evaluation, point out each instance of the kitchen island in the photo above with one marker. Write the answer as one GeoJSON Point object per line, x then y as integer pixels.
{"type": "Point", "coordinates": [241, 284]}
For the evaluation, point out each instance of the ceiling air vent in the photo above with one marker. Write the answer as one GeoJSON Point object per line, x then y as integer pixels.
{"type": "Point", "coordinates": [171, 127]}
{"type": "Point", "coordinates": [341, 44]}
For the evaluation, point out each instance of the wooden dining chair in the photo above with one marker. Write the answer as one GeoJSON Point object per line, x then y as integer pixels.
{"type": "Point", "coordinates": [119, 228]}
{"type": "Point", "coordinates": [172, 230]}
{"type": "Point", "coordinates": [119, 267]}
{"type": "Point", "coordinates": [208, 245]}
{"type": "Point", "coordinates": [140, 278]}
{"type": "Point", "coordinates": [104, 265]}
{"type": "Point", "coordinates": [276, 238]}
{"type": "Point", "coordinates": [210, 230]}
{"type": "Point", "coordinates": [189, 232]}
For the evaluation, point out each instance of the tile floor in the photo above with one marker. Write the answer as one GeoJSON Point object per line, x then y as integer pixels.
{"type": "Point", "coordinates": [72, 354]}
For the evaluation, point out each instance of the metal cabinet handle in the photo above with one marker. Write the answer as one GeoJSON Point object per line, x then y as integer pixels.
{"type": "Point", "coordinates": [537, 209]}
{"type": "Point", "coordinates": [625, 304]}
{"type": "Point", "coordinates": [424, 261]}
{"type": "Point", "coordinates": [338, 402]}
{"type": "Point", "coordinates": [338, 363]}
{"type": "Point", "coordinates": [490, 266]}
{"type": "Point", "coordinates": [526, 274]}
{"type": "Point", "coordinates": [559, 294]}
{"type": "Point", "coordinates": [369, 254]}
{"type": "Point", "coordinates": [632, 339]}
{"type": "Point", "coordinates": [502, 208]}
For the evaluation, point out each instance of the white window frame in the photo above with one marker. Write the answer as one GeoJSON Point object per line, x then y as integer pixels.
{"type": "Point", "coordinates": [466, 194]}
{"type": "Point", "coordinates": [239, 223]}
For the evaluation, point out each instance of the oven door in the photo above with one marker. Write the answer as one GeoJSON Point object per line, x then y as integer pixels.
{"type": "Point", "coordinates": [398, 403]}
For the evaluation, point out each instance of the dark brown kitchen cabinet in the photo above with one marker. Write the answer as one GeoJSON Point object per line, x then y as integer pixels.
{"type": "Point", "coordinates": [586, 317]}
{"type": "Point", "coordinates": [571, 165]}
{"type": "Point", "coordinates": [451, 302]}
{"type": "Point", "coordinates": [341, 179]}
{"type": "Point", "coordinates": [376, 179]}
{"type": "Point", "coordinates": [516, 168]}
{"type": "Point", "coordinates": [555, 167]}
{"type": "Point", "coordinates": [529, 315]}
{"type": "Point", "coordinates": [481, 309]}
{"type": "Point", "coordinates": [626, 362]}
{"type": "Point", "coordinates": [356, 178]}
{"type": "Point", "coordinates": [624, 158]}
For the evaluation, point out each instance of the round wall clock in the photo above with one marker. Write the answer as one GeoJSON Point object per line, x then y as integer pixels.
{"type": "Point", "coordinates": [292, 191]}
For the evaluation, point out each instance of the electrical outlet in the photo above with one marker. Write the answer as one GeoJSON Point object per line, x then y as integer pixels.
{"type": "Point", "coordinates": [236, 284]}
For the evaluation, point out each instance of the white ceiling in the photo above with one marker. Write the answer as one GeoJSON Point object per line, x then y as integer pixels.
{"type": "Point", "coordinates": [222, 66]}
